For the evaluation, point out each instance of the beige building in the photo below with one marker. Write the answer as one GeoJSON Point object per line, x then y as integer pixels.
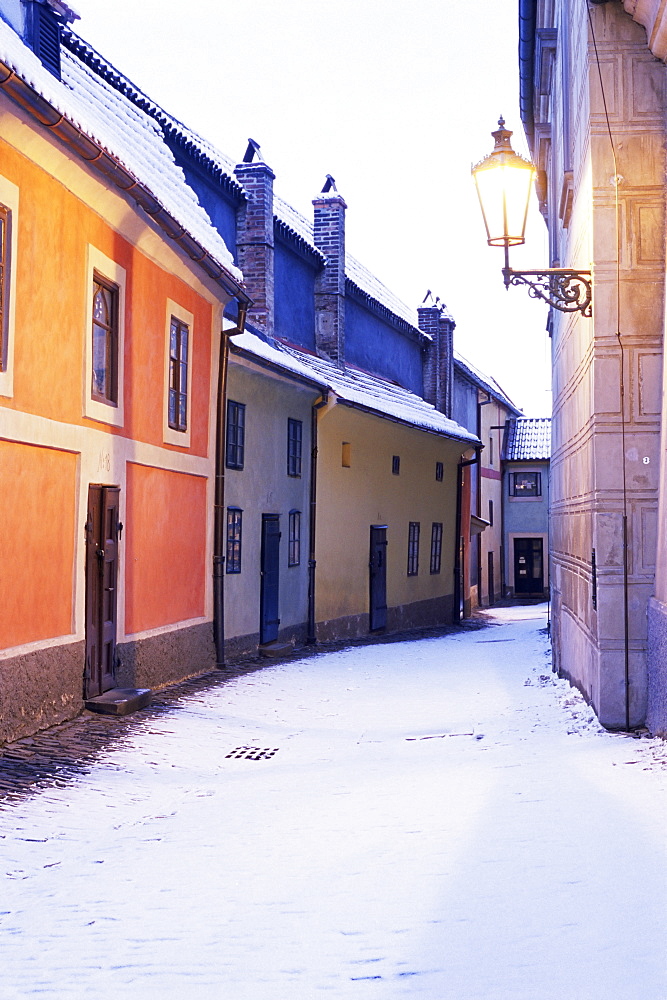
{"type": "Point", "coordinates": [593, 107]}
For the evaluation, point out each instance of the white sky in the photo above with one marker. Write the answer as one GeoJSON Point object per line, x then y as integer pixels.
{"type": "Point", "coordinates": [394, 100]}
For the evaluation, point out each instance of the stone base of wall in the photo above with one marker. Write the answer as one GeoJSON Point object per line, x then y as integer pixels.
{"type": "Point", "coordinates": [420, 614]}
{"type": "Point", "coordinates": [40, 689]}
{"type": "Point", "coordinates": [598, 671]}
{"type": "Point", "coordinates": [656, 716]}
{"type": "Point", "coordinates": [167, 658]}
{"type": "Point", "coordinates": [240, 646]}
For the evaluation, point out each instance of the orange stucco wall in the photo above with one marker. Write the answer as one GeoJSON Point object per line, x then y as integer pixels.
{"type": "Point", "coordinates": [37, 519]}
{"type": "Point", "coordinates": [165, 548]}
{"type": "Point", "coordinates": [54, 225]}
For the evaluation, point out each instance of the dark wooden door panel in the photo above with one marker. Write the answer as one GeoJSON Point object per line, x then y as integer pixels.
{"type": "Point", "coordinates": [101, 589]}
{"type": "Point", "coordinates": [378, 578]}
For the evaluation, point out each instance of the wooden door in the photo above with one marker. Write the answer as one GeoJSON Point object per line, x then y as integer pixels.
{"type": "Point", "coordinates": [270, 579]}
{"type": "Point", "coordinates": [378, 578]}
{"type": "Point", "coordinates": [528, 566]}
{"type": "Point", "coordinates": [102, 527]}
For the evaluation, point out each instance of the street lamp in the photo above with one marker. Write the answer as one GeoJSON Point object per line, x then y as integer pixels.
{"type": "Point", "coordinates": [504, 181]}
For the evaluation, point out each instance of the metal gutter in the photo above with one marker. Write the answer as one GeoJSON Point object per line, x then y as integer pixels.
{"type": "Point", "coordinates": [527, 23]}
{"type": "Point", "coordinates": [104, 163]}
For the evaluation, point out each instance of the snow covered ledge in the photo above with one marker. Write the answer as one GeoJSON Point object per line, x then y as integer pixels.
{"type": "Point", "coordinates": [653, 15]}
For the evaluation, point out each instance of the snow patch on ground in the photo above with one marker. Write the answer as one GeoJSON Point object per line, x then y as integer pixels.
{"type": "Point", "coordinates": [439, 818]}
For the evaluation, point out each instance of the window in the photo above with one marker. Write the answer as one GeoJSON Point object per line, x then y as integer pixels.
{"type": "Point", "coordinates": [235, 434]}
{"type": "Point", "coordinates": [9, 206]}
{"type": "Point", "coordinates": [413, 548]}
{"type": "Point", "coordinates": [179, 345]}
{"type": "Point", "coordinates": [525, 484]}
{"type": "Point", "coordinates": [4, 283]}
{"type": "Point", "coordinates": [234, 526]}
{"type": "Point", "coordinates": [294, 443]}
{"type": "Point", "coordinates": [178, 374]}
{"type": "Point", "coordinates": [105, 311]}
{"type": "Point", "coordinates": [294, 539]}
{"type": "Point", "coordinates": [490, 513]}
{"type": "Point", "coordinates": [490, 449]}
{"type": "Point", "coordinates": [436, 546]}
{"type": "Point", "coordinates": [346, 455]}
{"type": "Point", "coordinates": [439, 472]}
{"type": "Point", "coordinates": [396, 465]}
{"type": "Point", "coordinates": [104, 386]}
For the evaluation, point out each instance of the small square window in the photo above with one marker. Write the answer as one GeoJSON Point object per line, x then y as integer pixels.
{"type": "Point", "coordinates": [235, 437]}
{"type": "Point", "coordinates": [436, 546]}
{"type": "Point", "coordinates": [294, 540]}
{"type": "Point", "coordinates": [413, 548]}
{"type": "Point", "coordinates": [294, 447]}
{"type": "Point", "coordinates": [439, 472]}
{"type": "Point", "coordinates": [234, 531]}
{"type": "Point", "coordinates": [525, 484]}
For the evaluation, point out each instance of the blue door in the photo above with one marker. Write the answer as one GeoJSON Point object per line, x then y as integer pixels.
{"type": "Point", "coordinates": [270, 578]}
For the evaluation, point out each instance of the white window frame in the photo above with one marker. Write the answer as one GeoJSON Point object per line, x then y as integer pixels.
{"type": "Point", "coordinates": [106, 413]}
{"type": "Point", "coordinates": [9, 197]}
{"type": "Point", "coordinates": [169, 434]}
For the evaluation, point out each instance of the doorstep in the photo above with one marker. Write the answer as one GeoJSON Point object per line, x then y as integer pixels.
{"type": "Point", "coordinates": [275, 649]}
{"type": "Point", "coordinates": [120, 701]}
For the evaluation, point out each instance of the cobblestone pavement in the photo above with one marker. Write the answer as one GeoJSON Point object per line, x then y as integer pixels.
{"type": "Point", "coordinates": [60, 753]}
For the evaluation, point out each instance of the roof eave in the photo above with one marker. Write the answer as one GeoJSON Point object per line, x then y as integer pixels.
{"type": "Point", "coordinates": [103, 162]}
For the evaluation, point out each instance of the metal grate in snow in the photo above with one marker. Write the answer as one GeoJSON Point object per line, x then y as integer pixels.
{"type": "Point", "coordinates": [252, 753]}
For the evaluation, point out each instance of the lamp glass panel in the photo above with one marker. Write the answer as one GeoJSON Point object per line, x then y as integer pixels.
{"type": "Point", "coordinates": [504, 192]}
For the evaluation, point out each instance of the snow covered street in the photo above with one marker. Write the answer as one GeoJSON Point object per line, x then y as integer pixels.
{"type": "Point", "coordinates": [439, 818]}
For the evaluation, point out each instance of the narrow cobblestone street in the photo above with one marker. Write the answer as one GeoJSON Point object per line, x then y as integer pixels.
{"type": "Point", "coordinates": [437, 817]}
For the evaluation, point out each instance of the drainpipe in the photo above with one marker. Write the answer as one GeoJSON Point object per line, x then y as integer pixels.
{"type": "Point", "coordinates": [219, 495]}
{"type": "Point", "coordinates": [458, 596]}
{"type": "Point", "coordinates": [310, 636]}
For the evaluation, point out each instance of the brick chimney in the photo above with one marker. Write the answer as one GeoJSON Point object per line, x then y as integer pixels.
{"type": "Point", "coordinates": [254, 240]}
{"type": "Point", "coordinates": [329, 230]}
{"type": "Point", "coordinates": [438, 355]}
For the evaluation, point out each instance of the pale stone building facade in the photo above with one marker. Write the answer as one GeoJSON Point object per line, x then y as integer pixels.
{"type": "Point", "coordinates": [593, 107]}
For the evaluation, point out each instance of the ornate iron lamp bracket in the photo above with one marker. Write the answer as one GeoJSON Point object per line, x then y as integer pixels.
{"type": "Point", "coordinates": [565, 290]}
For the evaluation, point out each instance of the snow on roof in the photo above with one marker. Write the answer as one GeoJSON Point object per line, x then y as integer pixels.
{"type": "Point", "coordinates": [485, 382]}
{"type": "Point", "coordinates": [125, 132]}
{"type": "Point", "coordinates": [355, 387]}
{"type": "Point", "coordinates": [528, 438]}
{"type": "Point", "coordinates": [285, 213]}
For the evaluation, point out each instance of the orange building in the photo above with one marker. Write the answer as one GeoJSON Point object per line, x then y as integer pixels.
{"type": "Point", "coordinates": [113, 287]}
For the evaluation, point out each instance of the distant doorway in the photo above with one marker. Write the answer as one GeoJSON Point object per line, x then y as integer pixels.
{"type": "Point", "coordinates": [378, 578]}
{"type": "Point", "coordinates": [528, 566]}
{"type": "Point", "coordinates": [270, 579]}
{"type": "Point", "coordinates": [491, 573]}
{"type": "Point", "coordinates": [102, 529]}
